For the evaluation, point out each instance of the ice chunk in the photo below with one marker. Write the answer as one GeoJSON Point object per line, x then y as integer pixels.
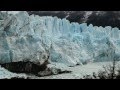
{"type": "Point", "coordinates": [35, 38]}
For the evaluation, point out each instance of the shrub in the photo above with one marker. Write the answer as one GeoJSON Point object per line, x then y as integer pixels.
{"type": "Point", "coordinates": [109, 72]}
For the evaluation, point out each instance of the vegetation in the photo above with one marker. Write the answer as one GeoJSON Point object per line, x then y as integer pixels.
{"type": "Point", "coordinates": [108, 72]}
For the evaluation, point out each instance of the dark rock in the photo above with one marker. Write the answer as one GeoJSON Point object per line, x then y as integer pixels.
{"type": "Point", "coordinates": [25, 67]}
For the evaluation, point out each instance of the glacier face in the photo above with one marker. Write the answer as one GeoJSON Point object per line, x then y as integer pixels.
{"type": "Point", "coordinates": [34, 38]}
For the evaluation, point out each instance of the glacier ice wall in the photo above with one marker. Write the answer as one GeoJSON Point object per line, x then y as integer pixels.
{"type": "Point", "coordinates": [24, 37]}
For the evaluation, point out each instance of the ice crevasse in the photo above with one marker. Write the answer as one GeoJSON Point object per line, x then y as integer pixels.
{"type": "Point", "coordinates": [34, 38]}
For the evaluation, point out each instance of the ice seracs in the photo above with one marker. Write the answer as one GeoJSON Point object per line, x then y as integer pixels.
{"type": "Point", "coordinates": [35, 38]}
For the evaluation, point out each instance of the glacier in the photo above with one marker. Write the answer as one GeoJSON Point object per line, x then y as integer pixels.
{"type": "Point", "coordinates": [31, 37]}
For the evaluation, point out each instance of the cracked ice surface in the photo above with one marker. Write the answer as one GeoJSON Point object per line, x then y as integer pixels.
{"type": "Point", "coordinates": [24, 37]}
